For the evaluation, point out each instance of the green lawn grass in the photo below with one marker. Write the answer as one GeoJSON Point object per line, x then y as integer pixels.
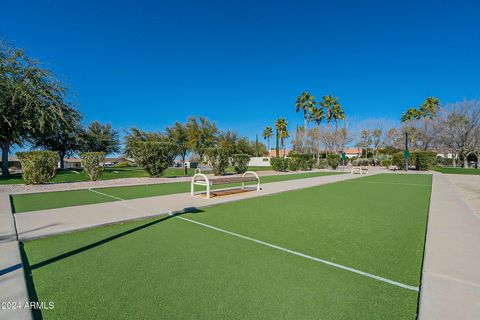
{"type": "Point", "coordinates": [173, 269]}
{"type": "Point", "coordinates": [457, 170]}
{"type": "Point", "coordinates": [60, 199]}
{"type": "Point", "coordinates": [113, 173]}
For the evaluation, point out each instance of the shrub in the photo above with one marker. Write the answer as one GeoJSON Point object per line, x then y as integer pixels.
{"type": "Point", "coordinates": [294, 164]}
{"type": "Point", "coordinates": [398, 160]}
{"type": "Point", "coordinates": [92, 164]}
{"type": "Point", "coordinates": [38, 166]}
{"type": "Point", "coordinates": [123, 164]}
{"type": "Point", "coordinates": [424, 160]}
{"type": "Point", "coordinates": [301, 161]}
{"type": "Point", "coordinates": [386, 163]}
{"type": "Point", "coordinates": [334, 160]}
{"type": "Point", "coordinates": [218, 158]}
{"type": "Point", "coordinates": [446, 162]}
{"type": "Point", "coordinates": [240, 162]}
{"type": "Point", "coordinates": [279, 164]}
{"type": "Point", "coordinates": [322, 164]}
{"type": "Point", "coordinates": [155, 157]}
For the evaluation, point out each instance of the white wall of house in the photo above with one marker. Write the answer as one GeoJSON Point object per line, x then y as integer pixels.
{"type": "Point", "coordinates": [259, 162]}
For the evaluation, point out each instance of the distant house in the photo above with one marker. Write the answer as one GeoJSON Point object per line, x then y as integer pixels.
{"type": "Point", "coordinates": [273, 153]}
{"type": "Point", "coordinates": [353, 152]}
{"type": "Point", "coordinates": [72, 163]}
{"type": "Point", "coordinates": [14, 163]}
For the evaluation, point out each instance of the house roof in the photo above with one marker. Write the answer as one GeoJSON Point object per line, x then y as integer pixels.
{"type": "Point", "coordinates": [352, 150]}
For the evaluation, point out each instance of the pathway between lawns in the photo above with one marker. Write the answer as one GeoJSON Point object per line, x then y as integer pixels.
{"type": "Point", "coordinates": [43, 223]}
{"type": "Point", "coordinates": [450, 277]}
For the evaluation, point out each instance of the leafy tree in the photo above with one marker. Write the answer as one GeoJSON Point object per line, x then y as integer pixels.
{"type": "Point", "coordinates": [202, 134]}
{"type": "Point", "coordinates": [283, 134]}
{"type": "Point", "coordinates": [155, 157]}
{"type": "Point", "coordinates": [317, 115]}
{"type": "Point", "coordinates": [244, 146]}
{"type": "Point", "coordinates": [137, 135]}
{"type": "Point", "coordinates": [411, 114]}
{"type": "Point", "coordinates": [227, 141]}
{"type": "Point", "coordinates": [267, 134]}
{"type": "Point", "coordinates": [31, 100]}
{"type": "Point", "coordinates": [178, 135]}
{"type": "Point", "coordinates": [365, 141]}
{"type": "Point", "coordinates": [62, 136]}
{"type": "Point", "coordinates": [100, 138]}
{"type": "Point", "coordinates": [92, 164]}
{"type": "Point", "coordinates": [305, 102]}
{"type": "Point", "coordinates": [429, 109]}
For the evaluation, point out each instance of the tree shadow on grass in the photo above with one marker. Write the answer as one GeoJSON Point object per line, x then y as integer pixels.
{"type": "Point", "coordinates": [37, 314]}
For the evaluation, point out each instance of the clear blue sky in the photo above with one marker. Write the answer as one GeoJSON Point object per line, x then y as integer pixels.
{"type": "Point", "coordinates": [242, 63]}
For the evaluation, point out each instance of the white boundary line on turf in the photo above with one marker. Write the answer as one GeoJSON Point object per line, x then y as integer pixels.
{"type": "Point", "coordinates": [392, 183]}
{"type": "Point", "coordinates": [104, 194]}
{"type": "Point", "coordinates": [336, 265]}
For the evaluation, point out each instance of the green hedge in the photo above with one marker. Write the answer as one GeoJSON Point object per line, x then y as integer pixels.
{"type": "Point", "coordinates": [155, 157]}
{"type": "Point", "coordinates": [279, 164]}
{"type": "Point", "coordinates": [322, 164]}
{"type": "Point", "coordinates": [423, 160]}
{"type": "Point", "coordinates": [386, 163]}
{"type": "Point", "coordinates": [398, 160]}
{"type": "Point", "coordinates": [334, 160]}
{"type": "Point", "coordinates": [240, 162]}
{"type": "Point", "coordinates": [38, 166]}
{"type": "Point", "coordinates": [92, 164]}
{"type": "Point", "coordinates": [123, 164]}
{"type": "Point", "coordinates": [218, 158]}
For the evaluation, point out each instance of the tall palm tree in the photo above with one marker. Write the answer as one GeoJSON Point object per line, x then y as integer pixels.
{"type": "Point", "coordinates": [267, 134]}
{"type": "Point", "coordinates": [328, 103]}
{"type": "Point", "coordinates": [316, 115]}
{"type": "Point", "coordinates": [305, 102]}
{"type": "Point", "coordinates": [428, 110]}
{"type": "Point", "coordinates": [337, 114]}
{"type": "Point", "coordinates": [411, 114]}
{"type": "Point", "coordinates": [281, 126]}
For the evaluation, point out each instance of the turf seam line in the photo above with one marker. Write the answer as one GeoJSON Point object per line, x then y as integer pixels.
{"type": "Point", "coordinates": [106, 195]}
{"type": "Point", "coordinates": [336, 265]}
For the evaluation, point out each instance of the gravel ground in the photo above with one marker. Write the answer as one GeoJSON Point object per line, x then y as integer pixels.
{"type": "Point", "coordinates": [20, 188]}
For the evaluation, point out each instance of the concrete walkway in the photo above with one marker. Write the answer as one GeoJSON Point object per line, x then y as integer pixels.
{"type": "Point", "coordinates": [451, 271]}
{"type": "Point", "coordinates": [13, 287]}
{"type": "Point", "coordinates": [45, 223]}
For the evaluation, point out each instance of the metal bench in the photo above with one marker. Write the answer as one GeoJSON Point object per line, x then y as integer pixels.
{"type": "Point", "coordinates": [200, 179]}
{"type": "Point", "coordinates": [359, 170]}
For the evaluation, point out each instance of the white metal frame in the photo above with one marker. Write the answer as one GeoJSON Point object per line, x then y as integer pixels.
{"type": "Point", "coordinates": [206, 182]}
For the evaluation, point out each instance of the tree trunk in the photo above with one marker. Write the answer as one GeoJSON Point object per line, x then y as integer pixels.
{"type": "Point", "coordinates": [454, 159]}
{"type": "Point", "coordinates": [305, 130]}
{"type": "Point", "coordinates": [61, 156]}
{"type": "Point", "coordinates": [184, 164]}
{"type": "Point", "coordinates": [5, 148]}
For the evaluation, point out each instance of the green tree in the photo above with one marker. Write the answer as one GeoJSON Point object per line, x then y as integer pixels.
{"type": "Point", "coordinates": [178, 135]}
{"type": "Point", "coordinates": [283, 134]}
{"type": "Point", "coordinates": [202, 134]}
{"type": "Point", "coordinates": [337, 113]}
{"type": "Point", "coordinates": [62, 136]}
{"type": "Point", "coordinates": [137, 135]}
{"type": "Point", "coordinates": [267, 134]}
{"type": "Point", "coordinates": [31, 100]}
{"type": "Point", "coordinates": [305, 103]}
{"type": "Point", "coordinates": [227, 141]}
{"type": "Point", "coordinates": [317, 115]}
{"type": "Point", "coordinates": [100, 138]}
{"type": "Point", "coordinates": [411, 114]}
{"type": "Point", "coordinates": [328, 103]}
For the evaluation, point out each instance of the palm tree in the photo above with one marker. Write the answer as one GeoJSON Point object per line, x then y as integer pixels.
{"type": "Point", "coordinates": [411, 114]}
{"type": "Point", "coordinates": [428, 110]}
{"type": "Point", "coordinates": [267, 134]}
{"type": "Point", "coordinates": [305, 102]}
{"type": "Point", "coordinates": [328, 103]}
{"type": "Point", "coordinates": [316, 116]}
{"type": "Point", "coordinates": [281, 126]}
{"type": "Point", "coordinates": [337, 114]}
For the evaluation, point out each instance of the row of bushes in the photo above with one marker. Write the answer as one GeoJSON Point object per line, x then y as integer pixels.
{"type": "Point", "coordinates": [422, 160]}
{"type": "Point", "coordinates": [304, 162]}
{"type": "Point", "coordinates": [41, 166]}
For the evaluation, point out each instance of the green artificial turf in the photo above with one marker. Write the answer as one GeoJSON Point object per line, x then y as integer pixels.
{"type": "Point", "coordinates": [60, 199]}
{"type": "Point", "coordinates": [173, 269]}
{"type": "Point", "coordinates": [113, 173]}
{"type": "Point", "coordinates": [457, 170]}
